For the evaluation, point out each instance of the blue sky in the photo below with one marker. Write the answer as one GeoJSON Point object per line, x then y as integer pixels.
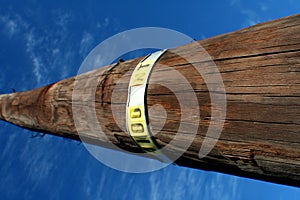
{"type": "Point", "coordinates": [45, 41]}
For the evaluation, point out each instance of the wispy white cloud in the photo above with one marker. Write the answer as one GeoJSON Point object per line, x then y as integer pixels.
{"type": "Point", "coordinates": [193, 184]}
{"type": "Point", "coordinates": [39, 69]}
{"type": "Point", "coordinates": [62, 19]}
{"type": "Point", "coordinates": [10, 26]}
{"type": "Point", "coordinates": [252, 17]}
{"type": "Point", "coordinates": [11, 138]}
{"type": "Point", "coordinates": [88, 184]}
{"type": "Point", "coordinates": [35, 162]}
{"type": "Point", "coordinates": [234, 2]}
{"type": "Point", "coordinates": [264, 7]}
{"type": "Point", "coordinates": [27, 155]}
{"type": "Point", "coordinates": [61, 55]}
{"type": "Point", "coordinates": [86, 43]}
{"type": "Point", "coordinates": [16, 25]}
{"type": "Point", "coordinates": [50, 52]}
{"type": "Point", "coordinates": [251, 22]}
{"type": "Point", "coordinates": [104, 23]}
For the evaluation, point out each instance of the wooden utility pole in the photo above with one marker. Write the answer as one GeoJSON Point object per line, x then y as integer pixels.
{"type": "Point", "coordinates": [260, 68]}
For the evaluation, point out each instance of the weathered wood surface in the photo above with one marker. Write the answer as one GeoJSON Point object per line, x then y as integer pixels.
{"type": "Point", "coordinates": [260, 67]}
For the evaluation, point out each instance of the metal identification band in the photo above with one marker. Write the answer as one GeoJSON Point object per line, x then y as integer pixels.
{"type": "Point", "coordinates": [136, 110]}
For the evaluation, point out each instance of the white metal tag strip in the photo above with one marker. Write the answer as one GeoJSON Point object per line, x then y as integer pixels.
{"type": "Point", "coordinates": [136, 109]}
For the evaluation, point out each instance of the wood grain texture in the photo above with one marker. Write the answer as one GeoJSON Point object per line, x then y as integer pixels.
{"type": "Point", "coordinates": [260, 68]}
